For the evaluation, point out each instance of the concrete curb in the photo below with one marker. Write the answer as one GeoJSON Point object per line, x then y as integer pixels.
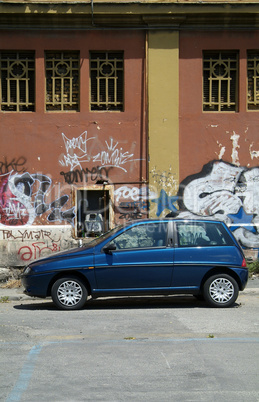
{"type": "Point", "coordinates": [250, 291]}
{"type": "Point", "coordinates": [14, 294]}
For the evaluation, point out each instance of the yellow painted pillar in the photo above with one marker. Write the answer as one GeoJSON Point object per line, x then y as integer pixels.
{"type": "Point", "coordinates": [163, 119]}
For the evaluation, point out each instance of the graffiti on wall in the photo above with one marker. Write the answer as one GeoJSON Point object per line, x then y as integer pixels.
{"type": "Point", "coordinates": [16, 165]}
{"type": "Point", "coordinates": [23, 198]}
{"type": "Point", "coordinates": [165, 181]}
{"type": "Point", "coordinates": [221, 190]}
{"type": "Point", "coordinates": [86, 175]}
{"type": "Point", "coordinates": [77, 154]}
{"type": "Point", "coordinates": [25, 243]}
{"type": "Point", "coordinates": [113, 156]}
{"type": "Point", "coordinates": [76, 151]}
{"type": "Point", "coordinates": [37, 250]}
{"type": "Point", "coordinates": [23, 235]}
{"type": "Point", "coordinates": [226, 192]}
{"type": "Point", "coordinates": [133, 202]}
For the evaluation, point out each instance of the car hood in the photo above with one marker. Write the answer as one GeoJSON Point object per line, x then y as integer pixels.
{"type": "Point", "coordinates": [75, 252]}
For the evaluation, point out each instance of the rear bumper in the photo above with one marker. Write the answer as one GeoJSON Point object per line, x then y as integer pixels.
{"type": "Point", "coordinates": [243, 276]}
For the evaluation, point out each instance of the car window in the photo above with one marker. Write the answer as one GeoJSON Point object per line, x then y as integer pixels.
{"type": "Point", "coordinates": [202, 234]}
{"type": "Point", "coordinates": [142, 236]}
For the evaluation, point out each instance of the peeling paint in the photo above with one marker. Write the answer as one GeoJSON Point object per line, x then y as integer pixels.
{"type": "Point", "coordinates": [234, 155]}
{"type": "Point", "coordinates": [253, 154]}
{"type": "Point", "coordinates": [222, 151]}
{"type": "Point", "coordinates": [165, 179]}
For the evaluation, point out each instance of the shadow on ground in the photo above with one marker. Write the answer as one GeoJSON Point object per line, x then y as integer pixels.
{"type": "Point", "coordinates": [124, 303]}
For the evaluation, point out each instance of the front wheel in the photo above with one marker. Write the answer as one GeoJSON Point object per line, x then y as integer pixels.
{"type": "Point", "coordinates": [69, 293]}
{"type": "Point", "coordinates": [220, 290]}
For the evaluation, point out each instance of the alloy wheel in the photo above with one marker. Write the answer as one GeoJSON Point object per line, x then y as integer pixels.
{"type": "Point", "coordinates": [69, 293]}
{"type": "Point", "coordinates": [221, 290]}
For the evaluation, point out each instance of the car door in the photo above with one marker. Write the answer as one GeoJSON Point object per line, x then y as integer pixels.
{"type": "Point", "coordinates": [143, 259]}
{"type": "Point", "coordinates": [200, 246]}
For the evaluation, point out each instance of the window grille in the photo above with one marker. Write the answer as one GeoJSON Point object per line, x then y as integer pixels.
{"type": "Point", "coordinates": [220, 81]}
{"type": "Point", "coordinates": [62, 81]}
{"type": "Point", "coordinates": [17, 81]}
{"type": "Point", "coordinates": [253, 80]}
{"type": "Point", "coordinates": [107, 76]}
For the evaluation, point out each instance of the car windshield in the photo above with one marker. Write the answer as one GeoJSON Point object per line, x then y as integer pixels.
{"type": "Point", "coordinates": [104, 236]}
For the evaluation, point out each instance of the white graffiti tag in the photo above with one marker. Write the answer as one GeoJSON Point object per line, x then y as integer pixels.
{"type": "Point", "coordinates": [23, 198]}
{"type": "Point", "coordinates": [76, 151]}
{"type": "Point", "coordinates": [225, 192]}
{"type": "Point", "coordinates": [215, 192]}
{"type": "Point", "coordinates": [134, 193]}
{"type": "Point", "coordinates": [113, 156]}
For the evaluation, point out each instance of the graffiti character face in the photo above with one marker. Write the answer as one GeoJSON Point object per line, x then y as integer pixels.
{"type": "Point", "coordinates": [22, 198]}
{"type": "Point", "coordinates": [227, 193]}
{"type": "Point", "coordinates": [15, 200]}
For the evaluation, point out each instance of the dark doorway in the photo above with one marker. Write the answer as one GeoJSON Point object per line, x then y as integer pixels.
{"type": "Point", "coordinates": [92, 212]}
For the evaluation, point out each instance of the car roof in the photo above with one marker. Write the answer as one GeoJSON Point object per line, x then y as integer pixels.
{"type": "Point", "coordinates": [168, 219]}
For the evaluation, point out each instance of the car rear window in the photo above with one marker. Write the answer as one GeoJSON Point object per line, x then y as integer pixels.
{"type": "Point", "coordinates": [202, 234]}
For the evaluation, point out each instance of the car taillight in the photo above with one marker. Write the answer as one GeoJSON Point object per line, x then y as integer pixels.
{"type": "Point", "coordinates": [244, 263]}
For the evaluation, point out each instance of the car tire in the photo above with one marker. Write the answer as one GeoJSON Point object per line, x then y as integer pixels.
{"type": "Point", "coordinates": [220, 290]}
{"type": "Point", "coordinates": [69, 293]}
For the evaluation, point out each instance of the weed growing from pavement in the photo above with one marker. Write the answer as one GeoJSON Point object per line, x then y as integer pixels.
{"type": "Point", "coordinates": [253, 268]}
{"type": "Point", "coordinates": [4, 299]}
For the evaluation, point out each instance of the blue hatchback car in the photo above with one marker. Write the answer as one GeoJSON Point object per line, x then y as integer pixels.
{"type": "Point", "coordinates": [145, 257]}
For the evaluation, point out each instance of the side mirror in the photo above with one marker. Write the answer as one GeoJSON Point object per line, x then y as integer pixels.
{"type": "Point", "coordinates": [108, 249]}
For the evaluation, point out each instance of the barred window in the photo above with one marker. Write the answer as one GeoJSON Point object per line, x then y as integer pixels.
{"type": "Point", "coordinates": [107, 80]}
{"type": "Point", "coordinates": [220, 81]}
{"type": "Point", "coordinates": [17, 81]}
{"type": "Point", "coordinates": [62, 81]}
{"type": "Point", "coordinates": [253, 80]}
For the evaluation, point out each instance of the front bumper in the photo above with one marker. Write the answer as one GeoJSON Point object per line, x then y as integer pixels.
{"type": "Point", "coordinates": [36, 285]}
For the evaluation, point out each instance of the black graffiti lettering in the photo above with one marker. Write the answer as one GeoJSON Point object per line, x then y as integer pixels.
{"type": "Point", "coordinates": [26, 235]}
{"type": "Point", "coordinates": [93, 175]}
{"type": "Point", "coordinates": [131, 216]}
{"type": "Point", "coordinates": [67, 177]}
{"type": "Point", "coordinates": [16, 165]}
{"type": "Point", "coordinates": [136, 205]}
{"type": "Point", "coordinates": [133, 209]}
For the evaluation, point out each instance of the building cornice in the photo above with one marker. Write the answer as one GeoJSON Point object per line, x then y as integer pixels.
{"type": "Point", "coordinates": [149, 14]}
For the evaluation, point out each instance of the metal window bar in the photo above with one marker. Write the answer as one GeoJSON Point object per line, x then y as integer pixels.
{"type": "Point", "coordinates": [62, 81]}
{"type": "Point", "coordinates": [220, 81]}
{"type": "Point", "coordinates": [106, 81]}
{"type": "Point", "coordinates": [253, 80]}
{"type": "Point", "coordinates": [17, 81]}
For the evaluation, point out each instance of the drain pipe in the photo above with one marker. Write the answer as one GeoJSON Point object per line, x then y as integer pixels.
{"type": "Point", "coordinates": [92, 11]}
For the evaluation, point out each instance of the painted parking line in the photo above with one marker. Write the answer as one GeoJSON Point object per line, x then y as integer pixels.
{"type": "Point", "coordinates": [27, 371]}
{"type": "Point", "coordinates": [25, 374]}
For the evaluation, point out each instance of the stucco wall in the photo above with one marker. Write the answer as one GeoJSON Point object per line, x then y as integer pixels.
{"type": "Point", "coordinates": [163, 117]}
{"type": "Point", "coordinates": [205, 136]}
{"type": "Point", "coordinates": [44, 155]}
{"type": "Point", "coordinates": [218, 151]}
{"type": "Point", "coordinates": [21, 245]}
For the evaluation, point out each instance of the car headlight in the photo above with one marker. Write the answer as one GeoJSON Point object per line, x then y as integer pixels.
{"type": "Point", "coordinates": [27, 270]}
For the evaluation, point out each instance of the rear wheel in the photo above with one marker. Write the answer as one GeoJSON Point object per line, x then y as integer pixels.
{"type": "Point", "coordinates": [69, 293]}
{"type": "Point", "coordinates": [221, 290]}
